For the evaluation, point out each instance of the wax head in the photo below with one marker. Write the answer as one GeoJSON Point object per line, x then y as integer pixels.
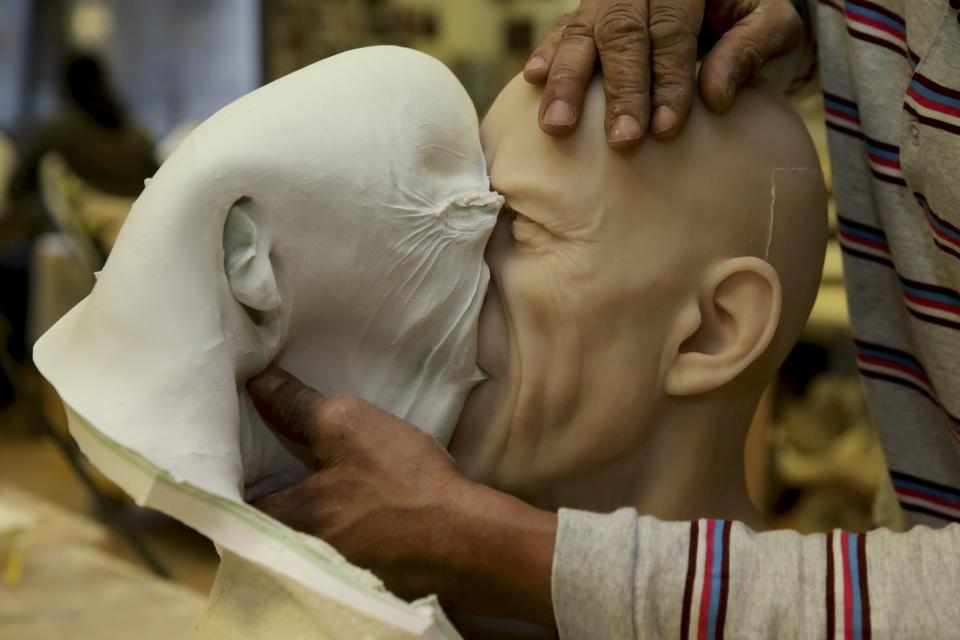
{"type": "Point", "coordinates": [334, 221]}
{"type": "Point", "coordinates": [626, 285]}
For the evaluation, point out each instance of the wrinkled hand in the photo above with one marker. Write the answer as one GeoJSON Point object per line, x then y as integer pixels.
{"type": "Point", "coordinates": [648, 51]}
{"type": "Point", "coordinates": [382, 487]}
{"type": "Point", "coordinates": [390, 499]}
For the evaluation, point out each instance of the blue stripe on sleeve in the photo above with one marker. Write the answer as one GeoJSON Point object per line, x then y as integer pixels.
{"type": "Point", "coordinates": [715, 578]}
{"type": "Point", "coordinates": [855, 586]}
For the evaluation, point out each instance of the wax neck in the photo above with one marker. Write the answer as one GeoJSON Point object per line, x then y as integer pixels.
{"type": "Point", "coordinates": [690, 466]}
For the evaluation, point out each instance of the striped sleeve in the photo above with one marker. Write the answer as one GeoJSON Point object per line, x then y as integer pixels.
{"type": "Point", "coordinates": [714, 579]}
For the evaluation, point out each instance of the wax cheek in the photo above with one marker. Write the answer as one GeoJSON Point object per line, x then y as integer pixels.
{"type": "Point", "coordinates": [529, 234]}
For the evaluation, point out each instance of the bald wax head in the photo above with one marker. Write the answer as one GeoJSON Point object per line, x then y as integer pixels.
{"type": "Point", "coordinates": [626, 285]}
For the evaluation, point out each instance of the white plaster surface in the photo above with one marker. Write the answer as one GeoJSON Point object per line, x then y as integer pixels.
{"type": "Point", "coordinates": [333, 221]}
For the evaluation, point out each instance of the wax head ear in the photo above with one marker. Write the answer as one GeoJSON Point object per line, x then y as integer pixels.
{"type": "Point", "coordinates": [726, 326]}
{"type": "Point", "coordinates": [246, 260]}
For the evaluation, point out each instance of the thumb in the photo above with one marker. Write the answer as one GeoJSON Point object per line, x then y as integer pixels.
{"type": "Point", "coordinates": [286, 404]}
{"type": "Point", "coordinates": [290, 506]}
{"type": "Point", "coordinates": [772, 29]}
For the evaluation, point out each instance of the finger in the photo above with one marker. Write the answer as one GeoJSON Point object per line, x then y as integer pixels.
{"type": "Point", "coordinates": [623, 42]}
{"type": "Point", "coordinates": [291, 506]}
{"type": "Point", "coordinates": [770, 30]}
{"type": "Point", "coordinates": [286, 404]}
{"type": "Point", "coordinates": [538, 65]}
{"type": "Point", "coordinates": [673, 33]}
{"type": "Point", "coordinates": [570, 74]}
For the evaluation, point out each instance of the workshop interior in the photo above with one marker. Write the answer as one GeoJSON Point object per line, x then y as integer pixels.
{"type": "Point", "coordinates": [97, 539]}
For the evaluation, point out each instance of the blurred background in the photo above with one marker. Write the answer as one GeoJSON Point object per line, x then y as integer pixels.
{"type": "Point", "coordinates": [94, 95]}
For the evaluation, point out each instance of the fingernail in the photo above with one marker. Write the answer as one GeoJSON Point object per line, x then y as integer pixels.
{"type": "Point", "coordinates": [558, 114]}
{"type": "Point", "coordinates": [624, 128]}
{"type": "Point", "coordinates": [535, 64]}
{"type": "Point", "coordinates": [664, 119]}
{"type": "Point", "coordinates": [737, 76]}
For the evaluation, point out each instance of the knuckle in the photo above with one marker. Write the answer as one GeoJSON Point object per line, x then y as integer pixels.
{"type": "Point", "coordinates": [299, 408]}
{"type": "Point", "coordinates": [782, 29]}
{"type": "Point", "coordinates": [752, 60]}
{"type": "Point", "coordinates": [626, 96]}
{"type": "Point", "coordinates": [620, 29]}
{"type": "Point", "coordinates": [626, 87]}
{"type": "Point", "coordinates": [670, 34]}
{"type": "Point", "coordinates": [340, 410]}
{"type": "Point", "coordinates": [565, 79]}
{"type": "Point", "coordinates": [569, 79]}
{"type": "Point", "coordinates": [562, 23]}
{"type": "Point", "coordinates": [577, 29]}
{"type": "Point", "coordinates": [676, 90]}
{"type": "Point", "coordinates": [672, 72]}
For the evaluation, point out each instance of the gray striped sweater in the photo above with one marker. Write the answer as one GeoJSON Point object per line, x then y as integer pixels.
{"type": "Point", "coordinates": [890, 71]}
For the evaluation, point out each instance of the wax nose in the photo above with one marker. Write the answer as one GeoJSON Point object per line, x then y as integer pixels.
{"type": "Point", "coordinates": [474, 212]}
{"type": "Point", "coordinates": [489, 202]}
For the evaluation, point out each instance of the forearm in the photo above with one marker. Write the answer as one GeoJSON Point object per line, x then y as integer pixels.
{"type": "Point", "coordinates": [499, 554]}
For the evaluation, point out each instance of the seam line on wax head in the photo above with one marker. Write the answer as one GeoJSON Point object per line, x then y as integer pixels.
{"type": "Point", "coordinates": [771, 218]}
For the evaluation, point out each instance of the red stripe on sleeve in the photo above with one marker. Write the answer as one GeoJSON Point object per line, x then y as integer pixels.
{"type": "Point", "coordinates": [847, 588]}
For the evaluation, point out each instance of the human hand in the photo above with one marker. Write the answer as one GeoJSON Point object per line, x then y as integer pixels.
{"type": "Point", "coordinates": [382, 487]}
{"type": "Point", "coordinates": [654, 42]}
{"type": "Point", "coordinates": [390, 499]}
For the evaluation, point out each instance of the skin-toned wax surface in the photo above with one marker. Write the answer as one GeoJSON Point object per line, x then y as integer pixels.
{"type": "Point", "coordinates": [303, 224]}
{"type": "Point", "coordinates": [639, 304]}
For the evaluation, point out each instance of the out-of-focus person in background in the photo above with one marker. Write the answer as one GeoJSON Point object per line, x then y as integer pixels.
{"type": "Point", "coordinates": [93, 133]}
{"type": "Point", "coordinates": [99, 143]}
